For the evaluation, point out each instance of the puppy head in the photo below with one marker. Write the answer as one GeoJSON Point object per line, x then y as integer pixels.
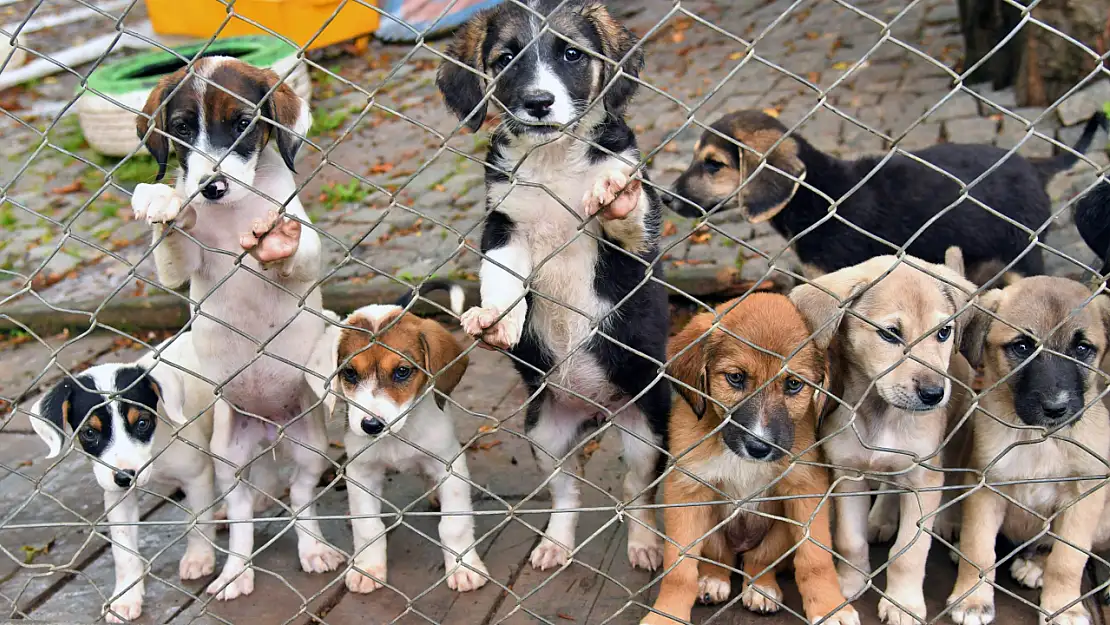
{"type": "Point", "coordinates": [905, 338]}
{"type": "Point", "coordinates": [1048, 388]}
{"type": "Point", "coordinates": [723, 164]}
{"type": "Point", "coordinates": [385, 364]}
{"type": "Point", "coordinates": [211, 108]}
{"type": "Point", "coordinates": [545, 77]}
{"type": "Point", "coordinates": [742, 365]}
{"type": "Point", "coordinates": [113, 411]}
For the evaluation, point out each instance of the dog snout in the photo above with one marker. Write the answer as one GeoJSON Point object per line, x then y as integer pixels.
{"type": "Point", "coordinates": [538, 103]}
{"type": "Point", "coordinates": [930, 394]}
{"type": "Point", "coordinates": [216, 188]}
{"type": "Point", "coordinates": [372, 426]}
{"type": "Point", "coordinates": [1056, 407]}
{"type": "Point", "coordinates": [124, 477]}
{"type": "Point", "coordinates": [756, 448]}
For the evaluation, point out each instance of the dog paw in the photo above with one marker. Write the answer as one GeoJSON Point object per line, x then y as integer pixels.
{"type": "Point", "coordinates": [880, 530]}
{"type": "Point", "coordinates": [128, 607]}
{"type": "Point", "coordinates": [762, 599]}
{"type": "Point", "coordinates": [272, 239]}
{"type": "Point", "coordinates": [713, 590]}
{"type": "Point", "coordinates": [844, 616]}
{"type": "Point", "coordinates": [911, 607]}
{"type": "Point", "coordinates": [613, 193]}
{"type": "Point", "coordinates": [199, 561]}
{"type": "Point", "coordinates": [548, 555]}
{"type": "Point", "coordinates": [155, 203]}
{"type": "Point", "coordinates": [852, 582]}
{"type": "Point", "coordinates": [232, 584]}
{"type": "Point", "coordinates": [467, 578]}
{"type": "Point", "coordinates": [645, 551]}
{"type": "Point", "coordinates": [976, 609]}
{"type": "Point", "coordinates": [1075, 615]}
{"type": "Point", "coordinates": [482, 323]}
{"type": "Point", "coordinates": [317, 557]}
{"type": "Point", "coordinates": [359, 583]}
{"type": "Point", "coordinates": [1028, 572]}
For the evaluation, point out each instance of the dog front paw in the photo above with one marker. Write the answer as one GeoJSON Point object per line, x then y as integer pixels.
{"type": "Point", "coordinates": [199, 561]}
{"type": "Point", "coordinates": [975, 609]}
{"type": "Point", "coordinates": [910, 607]}
{"type": "Point", "coordinates": [272, 239]}
{"type": "Point", "coordinates": [471, 576]}
{"type": "Point", "coordinates": [361, 583]}
{"type": "Point", "coordinates": [1028, 572]}
{"type": "Point", "coordinates": [317, 557]}
{"type": "Point", "coordinates": [127, 607]}
{"type": "Point", "coordinates": [613, 193]}
{"type": "Point", "coordinates": [233, 582]}
{"type": "Point", "coordinates": [712, 590]}
{"type": "Point", "coordinates": [155, 203]}
{"type": "Point", "coordinates": [761, 598]}
{"type": "Point", "coordinates": [1075, 615]}
{"type": "Point", "coordinates": [645, 548]}
{"type": "Point", "coordinates": [548, 555]}
{"type": "Point", "coordinates": [483, 323]}
{"type": "Point", "coordinates": [852, 581]}
{"type": "Point", "coordinates": [844, 616]}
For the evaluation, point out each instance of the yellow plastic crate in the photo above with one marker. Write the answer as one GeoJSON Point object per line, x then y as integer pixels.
{"type": "Point", "coordinates": [297, 20]}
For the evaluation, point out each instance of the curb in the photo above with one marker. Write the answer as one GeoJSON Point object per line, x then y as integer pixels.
{"type": "Point", "coordinates": [170, 311]}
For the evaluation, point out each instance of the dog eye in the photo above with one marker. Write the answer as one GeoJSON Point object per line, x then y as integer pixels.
{"type": "Point", "coordinates": [402, 373]}
{"type": "Point", "coordinates": [944, 333]}
{"type": "Point", "coordinates": [242, 125]}
{"type": "Point", "coordinates": [572, 55]}
{"type": "Point", "coordinates": [713, 166]}
{"type": "Point", "coordinates": [1022, 347]}
{"type": "Point", "coordinates": [736, 379]}
{"type": "Point", "coordinates": [793, 386]}
{"type": "Point", "coordinates": [143, 425]}
{"type": "Point", "coordinates": [891, 334]}
{"type": "Point", "coordinates": [349, 375]}
{"type": "Point", "coordinates": [181, 130]}
{"type": "Point", "coordinates": [503, 60]}
{"type": "Point", "coordinates": [89, 436]}
{"type": "Point", "coordinates": [1083, 351]}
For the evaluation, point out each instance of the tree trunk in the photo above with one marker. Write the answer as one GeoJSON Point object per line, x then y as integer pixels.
{"type": "Point", "coordinates": [1040, 63]}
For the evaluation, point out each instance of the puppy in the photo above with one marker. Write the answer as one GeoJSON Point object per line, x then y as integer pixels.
{"type": "Point", "coordinates": [252, 274]}
{"type": "Point", "coordinates": [114, 411]}
{"type": "Point", "coordinates": [1039, 424]}
{"type": "Point", "coordinates": [894, 204]}
{"type": "Point", "coordinates": [567, 281]}
{"type": "Point", "coordinates": [1092, 220]}
{"type": "Point", "coordinates": [896, 328]}
{"type": "Point", "coordinates": [395, 371]}
{"type": "Point", "coordinates": [744, 431]}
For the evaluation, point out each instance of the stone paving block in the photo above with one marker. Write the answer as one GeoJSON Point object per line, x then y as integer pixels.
{"type": "Point", "coordinates": [978, 130]}
{"type": "Point", "coordinates": [1080, 106]}
{"type": "Point", "coordinates": [957, 106]}
{"type": "Point", "coordinates": [921, 136]}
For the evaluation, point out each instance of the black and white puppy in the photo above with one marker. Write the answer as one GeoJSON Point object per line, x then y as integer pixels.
{"type": "Point", "coordinates": [569, 240]}
{"type": "Point", "coordinates": [113, 411]}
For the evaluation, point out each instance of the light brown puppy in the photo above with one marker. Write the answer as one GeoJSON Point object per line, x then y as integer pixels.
{"type": "Point", "coordinates": [896, 330]}
{"type": "Point", "coordinates": [1039, 425]}
{"type": "Point", "coordinates": [744, 430]}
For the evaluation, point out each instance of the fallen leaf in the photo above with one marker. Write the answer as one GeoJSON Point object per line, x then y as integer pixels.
{"type": "Point", "coordinates": [770, 110]}
{"type": "Point", "coordinates": [488, 445]}
{"type": "Point", "coordinates": [381, 168]}
{"type": "Point", "coordinates": [678, 36]}
{"type": "Point", "coordinates": [565, 617]}
{"type": "Point", "coordinates": [486, 429]}
{"type": "Point", "coordinates": [735, 56]}
{"type": "Point", "coordinates": [814, 77]}
{"type": "Point", "coordinates": [590, 448]}
{"type": "Point", "coordinates": [811, 35]}
{"type": "Point", "coordinates": [701, 236]}
{"type": "Point", "coordinates": [25, 463]}
{"type": "Point", "coordinates": [73, 187]}
{"type": "Point", "coordinates": [669, 229]}
{"type": "Point", "coordinates": [336, 445]}
{"type": "Point", "coordinates": [841, 65]}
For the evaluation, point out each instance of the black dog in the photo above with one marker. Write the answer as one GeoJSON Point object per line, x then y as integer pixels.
{"type": "Point", "coordinates": [1092, 219]}
{"type": "Point", "coordinates": [902, 198]}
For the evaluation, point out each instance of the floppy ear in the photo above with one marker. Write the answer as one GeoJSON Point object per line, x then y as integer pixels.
{"type": "Point", "coordinates": [690, 366]}
{"type": "Point", "coordinates": [168, 385]}
{"type": "Point", "coordinates": [764, 194]}
{"type": "Point", "coordinates": [617, 42]}
{"type": "Point", "coordinates": [821, 300]}
{"type": "Point", "coordinates": [440, 350]}
{"type": "Point", "coordinates": [973, 343]}
{"type": "Point", "coordinates": [288, 109]}
{"type": "Point", "coordinates": [156, 142]}
{"type": "Point", "coordinates": [50, 414]}
{"type": "Point", "coordinates": [459, 78]}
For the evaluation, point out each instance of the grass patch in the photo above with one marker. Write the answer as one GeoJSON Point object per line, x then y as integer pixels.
{"type": "Point", "coordinates": [328, 121]}
{"type": "Point", "coordinates": [351, 193]}
{"type": "Point", "coordinates": [7, 217]}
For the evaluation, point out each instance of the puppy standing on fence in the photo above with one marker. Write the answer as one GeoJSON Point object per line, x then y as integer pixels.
{"type": "Point", "coordinates": [567, 243]}
{"type": "Point", "coordinates": [209, 112]}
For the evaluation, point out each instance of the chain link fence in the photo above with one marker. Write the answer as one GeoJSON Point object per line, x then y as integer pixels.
{"type": "Point", "coordinates": [391, 185]}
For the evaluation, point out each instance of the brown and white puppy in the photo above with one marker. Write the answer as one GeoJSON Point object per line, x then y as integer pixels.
{"type": "Point", "coordinates": [395, 371]}
{"type": "Point", "coordinates": [896, 328]}
{"type": "Point", "coordinates": [1040, 424]}
{"type": "Point", "coordinates": [745, 432]}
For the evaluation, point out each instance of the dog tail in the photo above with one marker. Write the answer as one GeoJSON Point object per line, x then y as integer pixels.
{"type": "Point", "coordinates": [1047, 168]}
{"type": "Point", "coordinates": [454, 291]}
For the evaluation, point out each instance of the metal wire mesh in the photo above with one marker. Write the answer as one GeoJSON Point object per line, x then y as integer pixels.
{"type": "Point", "coordinates": [385, 172]}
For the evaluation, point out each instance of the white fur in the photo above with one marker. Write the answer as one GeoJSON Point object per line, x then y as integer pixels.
{"type": "Point", "coordinates": [562, 111]}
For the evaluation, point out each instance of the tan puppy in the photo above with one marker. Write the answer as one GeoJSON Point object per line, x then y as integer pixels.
{"type": "Point", "coordinates": [745, 430]}
{"type": "Point", "coordinates": [1039, 421]}
{"type": "Point", "coordinates": [896, 330]}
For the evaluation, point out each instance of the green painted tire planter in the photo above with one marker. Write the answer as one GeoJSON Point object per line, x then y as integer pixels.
{"type": "Point", "coordinates": [108, 125]}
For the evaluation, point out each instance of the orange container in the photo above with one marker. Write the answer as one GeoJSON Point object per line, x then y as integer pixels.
{"type": "Point", "coordinates": [297, 20]}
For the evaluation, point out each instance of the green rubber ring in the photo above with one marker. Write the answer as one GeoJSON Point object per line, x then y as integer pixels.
{"type": "Point", "coordinates": [142, 72]}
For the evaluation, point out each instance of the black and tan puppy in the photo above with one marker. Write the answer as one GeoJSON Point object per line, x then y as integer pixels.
{"type": "Point", "coordinates": [900, 199]}
{"type": "Point", "coordinates": [1040, 424]}
{"type": "Point", "coordinates": [745, 432]}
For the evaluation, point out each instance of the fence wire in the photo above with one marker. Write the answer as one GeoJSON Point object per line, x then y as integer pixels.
{"type": "Point", "coordinates": [384, 170]}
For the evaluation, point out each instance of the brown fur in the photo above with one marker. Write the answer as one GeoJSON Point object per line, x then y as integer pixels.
{"type": "Point", "coordinates": [94, 423]}
{"type": "Point", "coordinates": [133, 414]}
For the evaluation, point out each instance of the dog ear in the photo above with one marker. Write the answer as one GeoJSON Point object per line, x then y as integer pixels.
{"type": "Point", "coordinates": [440, 353]}
{"type": "Point", "coordinates": [689, 363]}
{"type": "Point", "coordinates": [50, 414]}
{"type": "Point", "coordinates": [823, 300]}
{"type": "Point", "coordinates": [288, 109]}
{"type": "Point", "coordinates": [156, 141]}
{"type": "Point", "coordinates": [459, 77]}
{"type": "Point", "coordinates": [954, 260]}
{"type": "Point", "coordinates": [617, 42]}
{"type": "Point", "coordinates": [764, 194]}
{"type": "Point", "coordinates": [168, 384]}
{"type": "Point", "coordinates": [973, 343]}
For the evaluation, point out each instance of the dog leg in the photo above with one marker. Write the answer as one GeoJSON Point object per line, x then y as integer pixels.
{"type": "Point", "coordinates": [762, 593]}
{"type": "Point", "coordinates": [553, 435]}
{"type": "Point", "coordinates": [200, 553]}
{"type": "Point", "coordinates": [641, 457]}
{"type": "Point", "coordinates": [1028, 568]}
{"type": "Point", "coordinates": [308, 445]}
{"type": "Point", "coordinates": [277, 241]}
{"type": "Point", "coordinates": [623, 204]}
{"type": "Point", "coordinates": [1065, 565]}
{"type": "Point", "coordinates": [233, 448]}
{"type": "Point", "coordinates": [501, 276]}
{"type": "Point", "coordinates": [687, 529]}
{"type": "Point", "coordinates": [177, 257]}
{"type": "Point", "coordinates": [983, 513]}
{"type": "Point", "coordinates": [714, 577]}
{"type": "Point", "coordinates": [456, 526]}
{"type": "Point", "coordinates": [127, 598]}
{"type": "Point", "coordinates": [814, 570]}
{"type": "Point", "coordinates": [854, 570]}
{"type": "Point", "coordinates": [364, 493]}
{"type": "Point", "coordinates": [882, 521]}
{"type": "Point", "coordinates": [904, 603]}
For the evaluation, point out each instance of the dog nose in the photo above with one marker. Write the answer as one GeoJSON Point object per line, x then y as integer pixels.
{"type": "Point", "coordinates": [756, 448]}
{"type": "Point", "coordinates": [216, 188]}
{"type": "Point", "coordinates": [372, 426]}
{"type": "Point", "coordinates": [124, 477]}
{"type": "Point", "coordinates": [539, 103]}
{"type": "Point", "coordinates": [1056, 409]}
{"type": "Point", "coordinates": [930, 395]}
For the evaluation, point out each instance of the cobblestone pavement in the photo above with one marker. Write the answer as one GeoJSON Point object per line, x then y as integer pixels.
{"type": "Point", "coordinates": [383, 187]}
